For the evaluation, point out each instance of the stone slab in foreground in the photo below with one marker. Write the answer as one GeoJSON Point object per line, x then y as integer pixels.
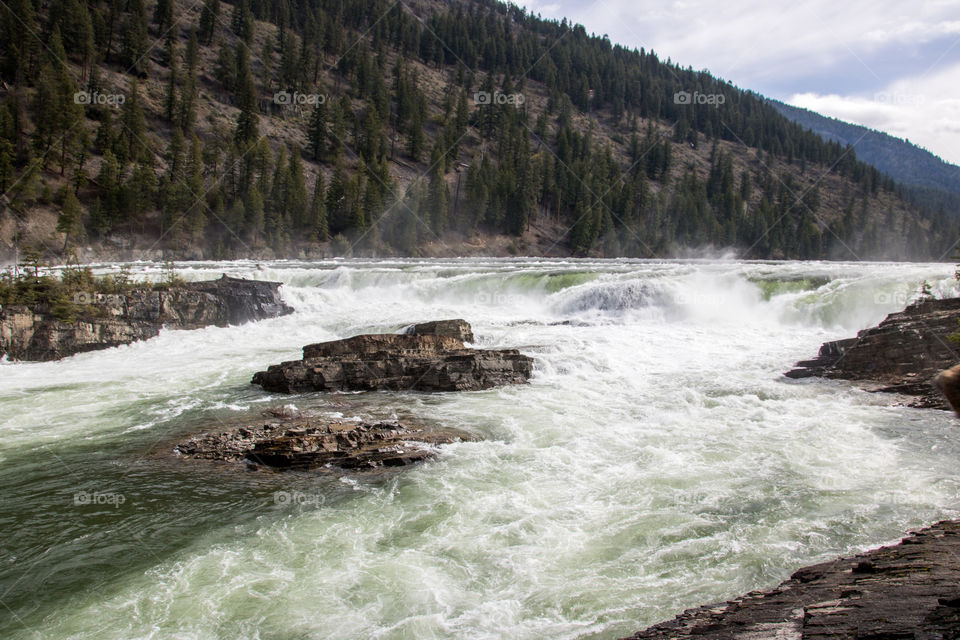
{"type": "Point", "coordinates": [428, 357]}
{"type": "Point", "coordinates": [910, 590]}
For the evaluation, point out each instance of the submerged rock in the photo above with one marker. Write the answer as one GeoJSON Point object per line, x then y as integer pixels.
{"type": "Point", "coordinates": [305, 444]}
{"type": "Point", "coordinates": [32, 333]}
{"type": "Point", "coordinates": [427, 357]}
{"type": "Point", "coordinates": [909, 590]}
{"type": "Point", "coordinates": [900, 355]}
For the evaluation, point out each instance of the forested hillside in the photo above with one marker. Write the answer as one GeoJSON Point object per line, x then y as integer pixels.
{"type": "Point", "coordinates": [332, 127]}
{"type": "Point", "coordinates": [923, 177]}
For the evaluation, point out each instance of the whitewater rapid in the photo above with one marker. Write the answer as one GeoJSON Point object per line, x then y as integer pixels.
{"type": "Point", "coordinates": [657, 460]}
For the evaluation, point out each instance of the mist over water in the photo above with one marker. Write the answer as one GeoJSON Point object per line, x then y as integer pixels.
{"type": "Point", "coordinates": [658, 459]}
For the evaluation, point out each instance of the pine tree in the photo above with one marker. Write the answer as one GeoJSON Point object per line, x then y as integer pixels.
{"type": "Point", "coordinates": [163, 15]}
{"type": "Point", "coordinates": [247, 123]}
{"type": "Point", "coordinates": [141, 189]}
{"type": "Point", "coordinates": [6, 164]}
{"type": "Point", "coordinates": [438, 199]}
{"type": "Point", "coordinates": [355, 216]}
{"type": "Point", "coordinates": [585, 230]}
{"type": "Point", "coordinates": [225, 68]}
{"type": "Point", "coordinates": [280, 184]}
{"type": "Point", "coordinates": [170, 102]}
{"type": "Point", "coordinates": [108, 180]}
{"type": "Point", "coordinates": [208, 20]}
{"type": "Point", "coordinates": [187, 108]}
{"type": "Point", "coordinates": [70, 222]}
{"type": "Point", "coordinates": [254, 218]}
{"type": "Point", "coordinates": [132, 136]}
{"type": "Point", "coordinates": [372, 142]}
{"type": "Point", "coordinates": [318, 210]}
{"type": "Point", "coordinates": [317, 131]}
{"type": "Point", "coordinates": [296, 204]}
{"type": "Point", "coordinates": [56, 109]}
{"type": "Point", "coordinates": [46, 115]}
{"type": "Point", "coordinates": [372, 202]}
{"type": "Point", "coordinates": [105, 138]}
{"type": "Point", "coordinates": [242, 21]}
{"type": "Point", "coordinates": [415, 137]}
{"type": "Point", "coordinates": [20, 55]}
{"type": "Point", "coordinates": [337, 205]}
{"type": "Point", "coordinates": [134, 38]}
{"type": "Point", "coordinates": [197, 219]}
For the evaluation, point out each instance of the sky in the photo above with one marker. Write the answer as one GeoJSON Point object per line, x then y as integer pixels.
{"type": "Point", "coordinates": [888, 65]}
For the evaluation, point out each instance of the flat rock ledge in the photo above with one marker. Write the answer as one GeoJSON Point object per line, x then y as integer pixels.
{"type": "Point", "coordinates": [34, 334]}
{"type": "Point", "coordinates": [902, 354]}
{"type": "Point", "coordinates": [909, 590]}
{"type": "Point", "coordinates": [427, 357]}
{"type": "Point", "coordinates": [314, 444]}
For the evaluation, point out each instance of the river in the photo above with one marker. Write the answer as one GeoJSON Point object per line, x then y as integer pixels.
{"type": "Point", "coordinates": [657, 460]}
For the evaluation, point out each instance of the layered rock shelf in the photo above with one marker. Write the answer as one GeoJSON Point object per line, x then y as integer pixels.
{"type": "Point", "coordinates": [909, 590]}
{"type": "Point", "coordinates": [32, 333]}
{"type": "Point", "coordinates": [312, 444]}
{"type": "Point", "coordinates": [900, 355]}
{"type": "Point", "coordinates": [427, 357]}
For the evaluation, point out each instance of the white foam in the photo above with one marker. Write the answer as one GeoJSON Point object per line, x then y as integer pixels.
{"type": "Point", "coordinates": [657, 460]}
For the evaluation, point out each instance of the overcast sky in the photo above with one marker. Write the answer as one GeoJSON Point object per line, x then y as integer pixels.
{"type": "Point", "coordinates": [892, 65]}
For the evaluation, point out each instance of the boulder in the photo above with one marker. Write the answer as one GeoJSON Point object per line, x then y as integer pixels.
{"type": "Point", "coordinates": [308, 444]}
{"type": "Point", "coordinates": [459, 329]}
{"type": "Point", "coordinates": [427, 357]}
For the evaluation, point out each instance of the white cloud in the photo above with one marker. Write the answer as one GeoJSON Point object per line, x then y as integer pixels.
{"type": "Point", "coordinates": [749, 40]}
{"type": "Point", "coordinates": [834, 48]}
{"type": "Point", "coordinates": [925, 109]}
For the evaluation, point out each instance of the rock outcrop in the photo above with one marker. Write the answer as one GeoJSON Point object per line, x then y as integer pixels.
{"type": "Point", "coordinates": [426, 357]}
{"type": "Point", "coordinates": [900, 355]}
{"type": "Point", "coordinates": [32, 333]}
{"type": "Point", "coordinates": [311, 444]}
{"type": "Point", "coordinates": [910, 590]}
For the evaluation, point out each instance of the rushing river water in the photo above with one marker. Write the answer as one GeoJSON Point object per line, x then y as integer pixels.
{"type": "Point", "coordinates": [657, 460]}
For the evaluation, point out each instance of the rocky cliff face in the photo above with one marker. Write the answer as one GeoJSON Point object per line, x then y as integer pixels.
{"type": "Point", "coordinates": [902, 354]}
{"type": "Point", "coordinates": [428, 357]}
{"type": "Point", "coordinates": [109, 321]}
{"type": "Point", "coordinates": [910, 590]}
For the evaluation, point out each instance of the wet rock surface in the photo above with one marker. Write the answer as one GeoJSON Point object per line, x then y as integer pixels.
{"type": "Point", "coordinates": [900, 355]}
{"type": "Point", "coordinates": [33, 334]}
{"type": "Point", "coordinates": [426, 357]}
{"type": "Point", "coordinates": [909, 590]}
{"type": "Point", "coordinates": [304, 444]}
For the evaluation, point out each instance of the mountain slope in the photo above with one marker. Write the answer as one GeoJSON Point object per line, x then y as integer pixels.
{"type": "Point", "coordinates": [321, 127]}
{"type": "Point", "coordinates": [915, 168]}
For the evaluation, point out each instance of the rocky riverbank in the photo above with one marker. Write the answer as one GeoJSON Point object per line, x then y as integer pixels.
{"type": "Point", "coordinates": [428, 357]}
{"type": "Point", "coordinates": [900, 355]}
{"type": "Point", "coordinates": [302, 444]}
{"type": "Point", "coordinates": [909, 590]}
{"type": "Point", "coordinates": [33, 333]}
